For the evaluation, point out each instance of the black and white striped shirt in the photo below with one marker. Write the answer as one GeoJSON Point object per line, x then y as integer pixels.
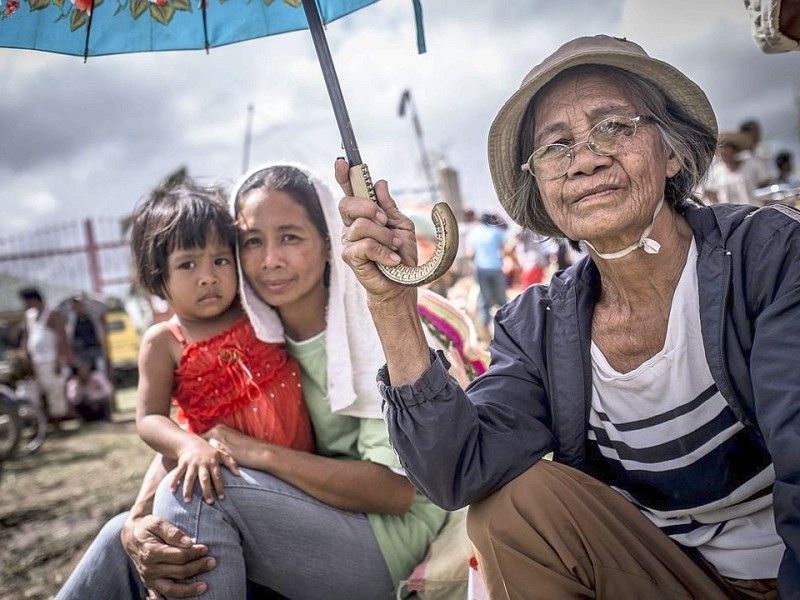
{"type": "Point", "coordinates": [665, 437]}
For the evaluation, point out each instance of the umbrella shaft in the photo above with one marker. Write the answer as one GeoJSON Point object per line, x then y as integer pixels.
{"type": "Point", "coordinates": [332, 82]}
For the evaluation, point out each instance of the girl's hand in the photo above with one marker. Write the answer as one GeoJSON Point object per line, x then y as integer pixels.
{"type": "Point", "coordinates": [199, 461]}
{"type": "Point", "coordinates": [375, 233]}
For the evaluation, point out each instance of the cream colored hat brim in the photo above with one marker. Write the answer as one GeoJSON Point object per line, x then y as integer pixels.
{"type": "Point", "coordinates": [598, 50]}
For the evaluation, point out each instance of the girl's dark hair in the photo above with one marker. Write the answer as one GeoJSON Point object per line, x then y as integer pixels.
{"type": "Point", "coordinates": [684, 137]}
{"type": "Point", "coordinates": [181, 217]}
{"type": "Point", "coordinates": [289, 180]}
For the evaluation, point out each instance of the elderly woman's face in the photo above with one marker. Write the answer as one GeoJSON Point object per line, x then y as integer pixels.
{"type": "Point", "coordinates": [607, 200]}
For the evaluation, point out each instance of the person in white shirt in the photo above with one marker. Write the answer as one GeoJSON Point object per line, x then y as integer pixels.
{"type": "Point", "coordinates": [728, 181]}
{"type": "Point", "coordinates": [45, 340]}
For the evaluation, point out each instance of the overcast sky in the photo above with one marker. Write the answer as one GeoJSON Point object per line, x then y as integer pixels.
{"type": "Point", "coordinates": [80, 140]}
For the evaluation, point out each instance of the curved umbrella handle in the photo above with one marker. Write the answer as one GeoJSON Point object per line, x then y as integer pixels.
{"type": "Point", "coordinates": [446, 237]}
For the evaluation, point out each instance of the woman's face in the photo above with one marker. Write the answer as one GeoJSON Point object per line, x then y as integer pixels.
{"type": "Point", "coordinates": [283, 255]}
{"type": "Point", "coordinates": [607, 200]}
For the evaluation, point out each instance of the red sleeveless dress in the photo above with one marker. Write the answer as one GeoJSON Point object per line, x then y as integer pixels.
{"type": "Point", "coordinates": [237, 380]}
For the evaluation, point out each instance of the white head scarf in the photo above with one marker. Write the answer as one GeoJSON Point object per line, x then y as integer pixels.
{"type": "Point", "coordinates": [352, 389]}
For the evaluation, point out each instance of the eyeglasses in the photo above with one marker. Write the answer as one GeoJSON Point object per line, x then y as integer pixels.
{"type": "Point", "coordinates": [608, 137]}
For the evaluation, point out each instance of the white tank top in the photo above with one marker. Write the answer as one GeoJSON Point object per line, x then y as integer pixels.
{"type": "Point", "coordinates": [42, 341]}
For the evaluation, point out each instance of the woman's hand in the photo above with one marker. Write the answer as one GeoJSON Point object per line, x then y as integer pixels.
{"type": "Point", "coordinates": [241, 447]}
{"type": "Point", "coordinates": [200, 461]}
{"type": "Point", "coordinates": [374, 233]}
{"type": "Point", "coordinates": [163, 554]}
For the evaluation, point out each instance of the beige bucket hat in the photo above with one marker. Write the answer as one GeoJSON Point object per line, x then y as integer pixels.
{"type": "Point", "coordinates": [597, 50]}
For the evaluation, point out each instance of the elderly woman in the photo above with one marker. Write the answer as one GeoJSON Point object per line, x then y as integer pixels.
{"type": "Point", "coordinates": [660, 370]}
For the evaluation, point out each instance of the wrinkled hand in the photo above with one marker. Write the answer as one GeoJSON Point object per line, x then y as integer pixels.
{"type": "Point", "coordinates": [234, 443]}
{"type": "Point", "coordinates": [200, 461]}
{"type": "Point", "coordinates": [163, 554]}
{"type": "Point", "coordinates": [375, 233]}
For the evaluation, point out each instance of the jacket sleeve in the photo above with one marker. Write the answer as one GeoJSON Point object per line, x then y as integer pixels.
{"type": "Point", "coordinates": [775, 373]}
{"type": "Point", "coordinates": [458, 447]}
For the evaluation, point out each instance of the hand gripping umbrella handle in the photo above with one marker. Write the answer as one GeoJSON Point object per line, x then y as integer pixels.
{"type": "Point", "coordinates": [443, 218]}
{"type": "Point", "coordinates": [446, 236]}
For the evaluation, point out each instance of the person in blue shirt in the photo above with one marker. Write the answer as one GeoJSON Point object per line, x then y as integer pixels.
{"type": "Point", "coordinates": [486, 246]}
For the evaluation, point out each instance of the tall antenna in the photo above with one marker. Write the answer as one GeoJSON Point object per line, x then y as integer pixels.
{"type": "Point", "coordinates": [406, 101]}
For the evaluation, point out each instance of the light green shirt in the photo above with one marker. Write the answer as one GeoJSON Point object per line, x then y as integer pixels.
{"type": "Point", "coordinates": [402, 540]}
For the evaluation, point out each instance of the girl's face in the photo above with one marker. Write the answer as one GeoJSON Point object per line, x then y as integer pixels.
{"type": "Point", "coordinates": [283, 255]}
{"type": "Point", "coordinates": [202, 281]}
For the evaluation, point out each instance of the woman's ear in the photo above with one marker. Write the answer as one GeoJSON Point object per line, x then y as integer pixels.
{"type": "Point", "coordinates": [673, 165]}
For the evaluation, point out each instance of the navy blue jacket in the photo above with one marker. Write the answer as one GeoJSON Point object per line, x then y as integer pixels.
{"type": "Point", "coordinates": [535, 398]}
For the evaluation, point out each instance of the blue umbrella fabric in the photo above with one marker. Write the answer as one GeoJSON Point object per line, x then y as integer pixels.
{"type": "Point", "coordinates": [101, 27]}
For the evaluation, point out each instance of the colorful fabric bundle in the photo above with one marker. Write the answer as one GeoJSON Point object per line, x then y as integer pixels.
{"type": "Point", "coordinates": [451, 327]}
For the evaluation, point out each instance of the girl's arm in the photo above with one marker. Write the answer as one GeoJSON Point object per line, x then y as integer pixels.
{"type": "Point", "coordinates": [197, 460]}
{"type": "Point", "coordinates": [154, 393]}
{"type": "Point", "coordinates": [351, 485]}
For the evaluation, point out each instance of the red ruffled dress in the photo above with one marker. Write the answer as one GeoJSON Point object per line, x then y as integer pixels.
{"type": "Point", "coordinates": [237, 380]}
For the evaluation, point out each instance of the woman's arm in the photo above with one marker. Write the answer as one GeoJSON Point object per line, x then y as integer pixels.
{"type": "Point", "coordinates": [351, 485]}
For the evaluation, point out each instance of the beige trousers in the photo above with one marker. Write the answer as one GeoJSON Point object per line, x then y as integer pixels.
{"type": "Point", "coordinates": [555, 533]}
{"type": "Point", "coordinates": [53, 384]}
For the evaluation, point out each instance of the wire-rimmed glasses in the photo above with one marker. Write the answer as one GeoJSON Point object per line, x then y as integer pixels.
{"type": "Point", "coordinates": [608, 137]}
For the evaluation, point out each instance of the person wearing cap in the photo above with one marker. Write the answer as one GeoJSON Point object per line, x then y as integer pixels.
{"type": "Point", "coordinates": [728, 181]}
{"type": "Point", "coordinates": [659, 369]}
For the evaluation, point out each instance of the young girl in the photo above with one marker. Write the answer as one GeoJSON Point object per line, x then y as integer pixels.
{"type": "Point", "coordinates": [206, 357]}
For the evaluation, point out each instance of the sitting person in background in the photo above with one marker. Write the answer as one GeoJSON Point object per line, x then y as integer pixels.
{"type": "Point", "coordinates": [90, 393]}
{"type": "Point", "coordinates": [87, 335]}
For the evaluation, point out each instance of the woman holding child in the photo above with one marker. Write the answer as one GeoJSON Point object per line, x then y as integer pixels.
{"type": "Point", "coordinates": [343, 522]}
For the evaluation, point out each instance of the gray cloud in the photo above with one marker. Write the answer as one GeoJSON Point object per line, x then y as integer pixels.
{"type": "Point", "coordinates": [90, 139]}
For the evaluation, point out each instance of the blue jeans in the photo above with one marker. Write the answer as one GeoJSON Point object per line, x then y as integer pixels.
{"type": "Point", "coordinates": [492, 284]}
{"type": "Point", "coordinates": [265, 530]}
{"type": "Point", "coordinates": [104, 571]}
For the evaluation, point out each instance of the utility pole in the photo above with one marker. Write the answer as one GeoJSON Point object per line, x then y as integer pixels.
{"type": "Point", "coordinates": [92, 257]}
{"type": "Point", "coordinates": [406, 101]}
{"type": "Point", "coordinates": [248, 135]}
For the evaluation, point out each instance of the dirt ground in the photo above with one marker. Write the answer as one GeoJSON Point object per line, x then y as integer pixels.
{"type": "Point", "coordinates": [56, 500]}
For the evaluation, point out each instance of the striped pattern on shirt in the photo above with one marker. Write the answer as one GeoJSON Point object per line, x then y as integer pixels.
{"type": "Point", "coordinates": [665, 437]}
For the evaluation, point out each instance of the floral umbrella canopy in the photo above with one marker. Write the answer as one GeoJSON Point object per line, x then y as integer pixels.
{"type": "Point", "coordinates": [101, 27]}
